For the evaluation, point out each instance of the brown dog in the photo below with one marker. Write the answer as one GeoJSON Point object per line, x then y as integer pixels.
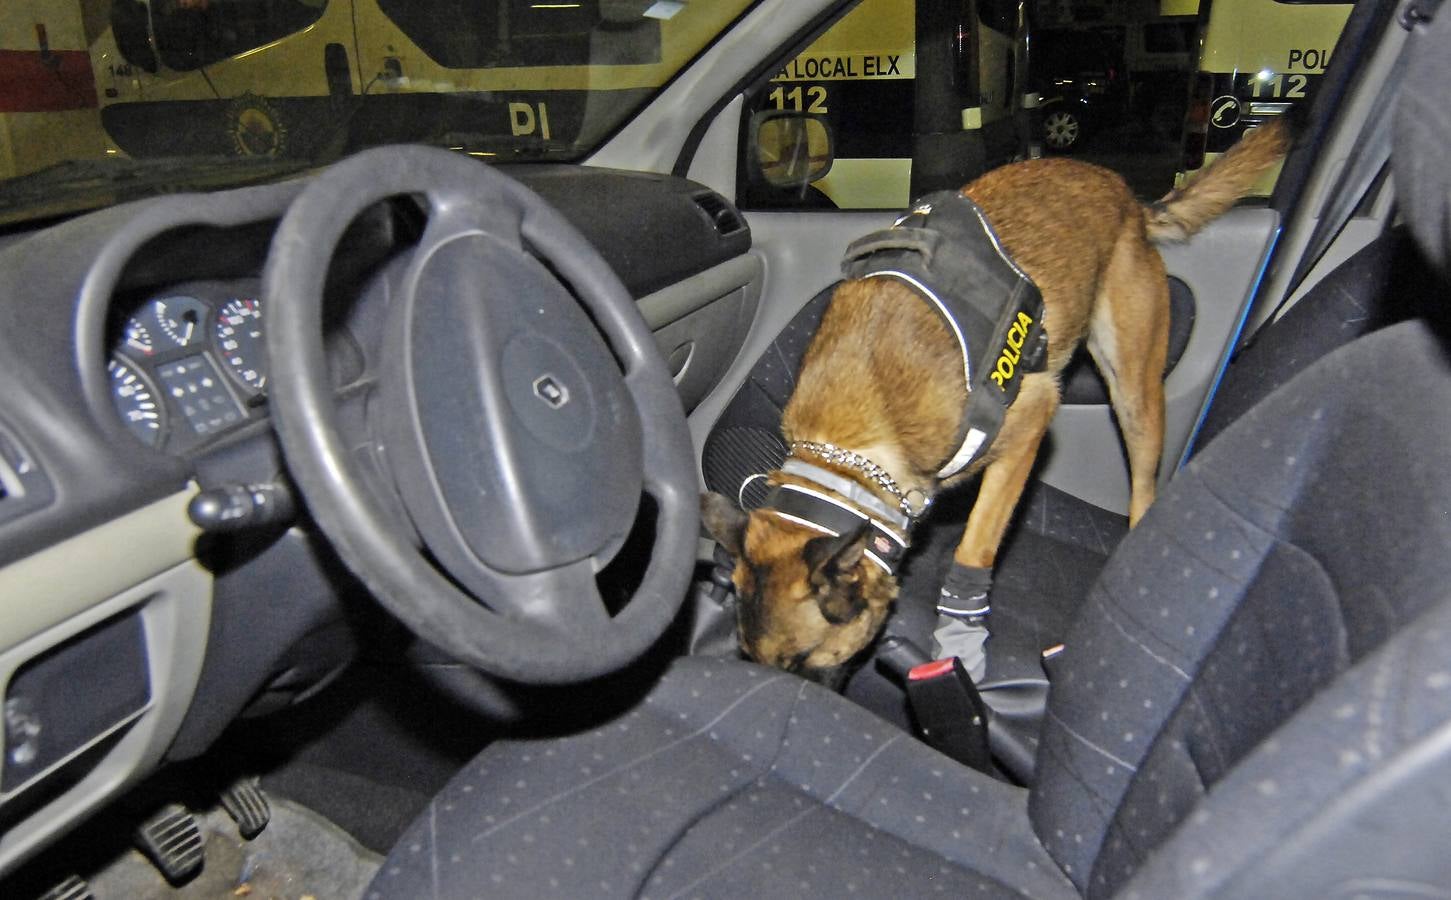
{"type": "Point", "coordinates": [883, 378]}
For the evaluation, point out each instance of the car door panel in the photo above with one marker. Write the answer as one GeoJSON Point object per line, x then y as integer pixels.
{"type": "Point", "coordinates": [800, 255]}
{"type": "Point", "coordinates": [1082, 454]}
{"type": "Point", "coordinates": [701, 322]}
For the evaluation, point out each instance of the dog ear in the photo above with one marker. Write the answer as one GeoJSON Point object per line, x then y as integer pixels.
{"type": "Point", "coordinates": [832, 562]}
{"type": "Point", "coordinates": [724, 522]}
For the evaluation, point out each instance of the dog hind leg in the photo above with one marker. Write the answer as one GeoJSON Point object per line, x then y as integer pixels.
{"type": "Point", "coordinates": [1129, 340]}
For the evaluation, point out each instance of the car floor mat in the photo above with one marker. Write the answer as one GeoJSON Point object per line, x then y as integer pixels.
{"type": "Point", "coordinates": [298, 854]}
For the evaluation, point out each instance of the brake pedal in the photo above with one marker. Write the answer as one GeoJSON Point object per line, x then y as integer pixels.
{"type": "Point", "coordinates": [173, 841]}
{"type": "Point", "coordinates": [248, 807]}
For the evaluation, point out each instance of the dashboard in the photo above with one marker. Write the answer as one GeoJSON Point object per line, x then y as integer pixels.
{"type": "Point", "coordinates": [189, 363]}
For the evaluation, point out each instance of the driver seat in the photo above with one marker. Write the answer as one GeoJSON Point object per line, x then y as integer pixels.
{"type": "Point", "coordinates": [1254, 701]}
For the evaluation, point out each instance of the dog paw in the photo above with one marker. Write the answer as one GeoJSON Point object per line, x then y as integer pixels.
{"type": "Point", "coordinates": [967, 593]}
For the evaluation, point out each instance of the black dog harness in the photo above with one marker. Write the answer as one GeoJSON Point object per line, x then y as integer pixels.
{"type": "Point", "coordinates": [947, 251]}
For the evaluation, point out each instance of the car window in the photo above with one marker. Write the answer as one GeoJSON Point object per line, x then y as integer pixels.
{"type": "Point", "coordinates": [98, 87]}
{"type": "Point", "coordinates": [1066, 53]}
{"type": "Point", "coordinates": [895, 99]}
{"type": "Point", "coordinates": [1258, 60]}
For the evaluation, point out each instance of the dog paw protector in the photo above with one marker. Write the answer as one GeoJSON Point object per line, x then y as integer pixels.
{"type": "Point", "coordinates": [963, 607]}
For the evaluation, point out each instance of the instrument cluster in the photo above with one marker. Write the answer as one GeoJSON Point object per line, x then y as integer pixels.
{"type": "Point", "coordinates": [189, 363]}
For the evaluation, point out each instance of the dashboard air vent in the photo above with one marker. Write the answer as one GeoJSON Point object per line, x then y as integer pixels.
{"type": "Point", "coordinates": [721, 214]}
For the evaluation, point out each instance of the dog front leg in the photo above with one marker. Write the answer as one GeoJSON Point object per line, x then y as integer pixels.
{"type": "Point", "coordinates": [965, 599]}
{"type": "Point", "coordinates": [1004, 478]}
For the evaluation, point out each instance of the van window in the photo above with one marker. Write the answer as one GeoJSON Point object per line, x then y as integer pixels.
{"type": "Point", "coordinates": [999, 15]}
{"type": "Point", "coordinates": [195, 33]}
{"type": "Point", "coordinates": [472, 34]}
{"type": "Point", "coordinates": [1169, 37]}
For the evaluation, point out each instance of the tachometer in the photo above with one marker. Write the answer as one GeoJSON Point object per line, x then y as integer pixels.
{"type": "Point", "coordinates": [181, 319]}
{"type": "Point", "coordinates": [240, 343]}
{"type": "Point", "coordinates": [136, 403]}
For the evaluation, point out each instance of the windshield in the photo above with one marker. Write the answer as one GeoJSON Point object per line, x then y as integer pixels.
{"type": "Point", "coordinates": [93, 92]}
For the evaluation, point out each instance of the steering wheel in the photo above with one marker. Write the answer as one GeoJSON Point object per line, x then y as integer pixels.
{"type": "Point", "coordinates": [522, 411]}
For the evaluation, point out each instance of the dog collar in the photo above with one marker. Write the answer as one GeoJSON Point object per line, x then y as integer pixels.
{"type": "Point", "coordinates": [946, 250]}
{"type": "Point", "coordinates": [830, 516]}
{"type": "Point", "coordinates": [911, 504]}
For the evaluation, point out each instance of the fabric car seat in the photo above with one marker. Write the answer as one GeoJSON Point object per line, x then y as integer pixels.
{"type": "Point", "coordinates": [1274, 631]}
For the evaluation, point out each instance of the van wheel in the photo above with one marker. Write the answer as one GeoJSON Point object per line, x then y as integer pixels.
{"type": "Point", "coordinates": [1062, 131]}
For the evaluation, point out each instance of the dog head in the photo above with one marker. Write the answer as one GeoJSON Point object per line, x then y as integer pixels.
{"type": "Point", "coordinates": [807, 602]}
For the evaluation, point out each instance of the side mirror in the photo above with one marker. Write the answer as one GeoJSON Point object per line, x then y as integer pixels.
{"type": "Point", "coordinates": [790, 150]}
{"type": "Point", "coordinates": [131, 28]}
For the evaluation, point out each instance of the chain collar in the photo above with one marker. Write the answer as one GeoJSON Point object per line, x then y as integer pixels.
{"type": "Point", "coordinates": [912, 503]}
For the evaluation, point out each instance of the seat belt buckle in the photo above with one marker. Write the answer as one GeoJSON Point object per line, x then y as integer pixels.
{"type": "Point", "coordinates": [949, 711]}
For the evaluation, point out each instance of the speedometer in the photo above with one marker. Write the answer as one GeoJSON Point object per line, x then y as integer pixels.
{"type": "Point", "coordinates": [240, 343]}
{"type": "Point", "coordinates": [136, 402]}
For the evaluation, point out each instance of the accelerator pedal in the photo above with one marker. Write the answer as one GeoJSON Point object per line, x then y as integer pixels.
{"type": "Point", "coordinates": [248, 807]}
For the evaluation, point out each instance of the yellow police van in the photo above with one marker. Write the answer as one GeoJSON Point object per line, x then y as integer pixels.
{"type": "Point", "coordinates": [1258, 60]}
{"type": "Point", "coordinates": [304, 78]}
{"type": "Point", "coordinates": [48, 100]}
{"type": "Point", "coordinates": [897, 98]}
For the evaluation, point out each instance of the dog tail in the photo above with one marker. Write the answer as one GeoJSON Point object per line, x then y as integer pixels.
{"type": "Point", "coordinates": [1183, 211]}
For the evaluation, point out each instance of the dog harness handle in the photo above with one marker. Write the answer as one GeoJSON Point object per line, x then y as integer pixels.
{"type": "Point", "coordinates": [921, 241]}
{"type": "Point", "coordinates": [946, 250]}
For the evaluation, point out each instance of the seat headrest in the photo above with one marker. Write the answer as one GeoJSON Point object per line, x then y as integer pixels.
{"type": "Point", "coordinates": [1422, 137]}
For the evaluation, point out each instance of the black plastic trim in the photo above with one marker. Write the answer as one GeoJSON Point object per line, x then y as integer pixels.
{"type": "Point", "coordinates": [670, 235]}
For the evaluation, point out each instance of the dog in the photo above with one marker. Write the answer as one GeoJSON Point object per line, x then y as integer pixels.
{"type": "Point", "coordinates": [880, 395]}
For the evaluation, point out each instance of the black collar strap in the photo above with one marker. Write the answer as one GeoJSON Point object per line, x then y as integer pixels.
{"type": "Point", "coordinates": [853, 492]}
{"type": "Point", "coordinates": [946, 250]}
{"type": "Point", "coordinates": [822, 512]}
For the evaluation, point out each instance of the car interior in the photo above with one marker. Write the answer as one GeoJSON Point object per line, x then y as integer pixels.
{"type": "Point", "coordinates": [407, 595]}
